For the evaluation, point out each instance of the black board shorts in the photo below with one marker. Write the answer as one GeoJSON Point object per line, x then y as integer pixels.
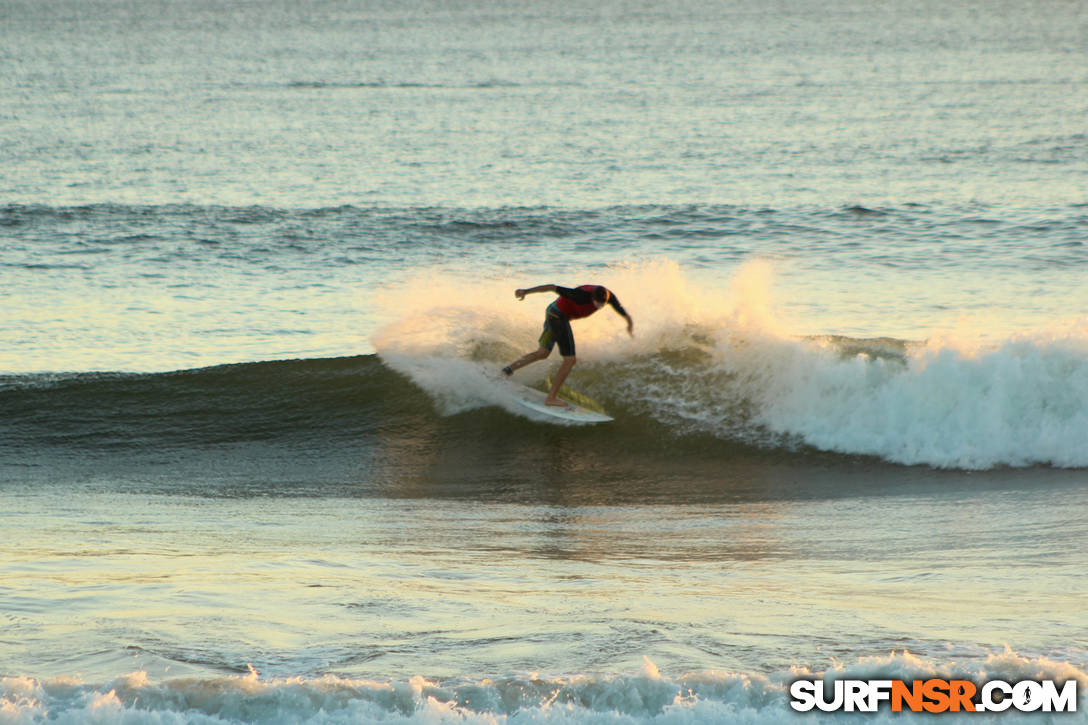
{"type": "Point", "coordinates": [557, 330]}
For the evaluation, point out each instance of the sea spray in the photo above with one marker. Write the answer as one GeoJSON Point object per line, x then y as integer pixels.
{"type": "Point", "coordinates": [718, 357]}
{"type": "Point", "coordinates": [1020, 402]}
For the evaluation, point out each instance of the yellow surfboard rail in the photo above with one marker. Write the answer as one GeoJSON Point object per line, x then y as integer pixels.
{"type": "Point", "coordinates": [573, 396]}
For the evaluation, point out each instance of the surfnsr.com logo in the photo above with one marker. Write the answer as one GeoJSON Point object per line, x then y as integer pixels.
{"type": "Point", "coordinates": [934, 696]}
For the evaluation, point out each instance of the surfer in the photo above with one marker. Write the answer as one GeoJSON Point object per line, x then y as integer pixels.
{"type": "Point", "coordinates": [572, 304]}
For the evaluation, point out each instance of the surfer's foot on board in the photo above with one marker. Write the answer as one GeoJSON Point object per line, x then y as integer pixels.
{"type": "Point", "coordinates": [556, 402]}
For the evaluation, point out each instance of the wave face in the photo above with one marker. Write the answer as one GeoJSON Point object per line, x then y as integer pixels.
{"type": "Point", "coordinates": [251, 402]}
{"type": "Point", "coordinates": [699, 393]}
{"type": "Point", "coordinates": [722, 363]}
{"type": "Point", "coordinates": [707, 697]}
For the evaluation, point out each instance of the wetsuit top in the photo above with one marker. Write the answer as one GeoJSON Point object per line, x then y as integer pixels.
{"type": "Point", "coordinates": [578, 302]}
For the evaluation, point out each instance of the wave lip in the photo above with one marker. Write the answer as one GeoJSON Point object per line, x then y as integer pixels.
{"type": "Point", "coordinates": [1019, 403]}
{"type": "Point", "coordinates": [705, 363]}
{"type": "Point", "coordinates": [721, 362]}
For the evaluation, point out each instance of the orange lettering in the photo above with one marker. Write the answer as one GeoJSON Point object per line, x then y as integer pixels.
{"type": "Point", "coordinates": [936, 692]}
{"type": "Point", "coordinates": [961, 693]}
{"type": "Point", "coordinates": [912, 695]}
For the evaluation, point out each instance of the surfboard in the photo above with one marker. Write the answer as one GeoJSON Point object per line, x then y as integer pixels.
{"type": "Point", "coordinates": [534, 400]}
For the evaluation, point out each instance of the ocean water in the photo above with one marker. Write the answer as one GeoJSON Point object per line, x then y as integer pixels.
{"type": "Point", "coordinates": [258, 263]}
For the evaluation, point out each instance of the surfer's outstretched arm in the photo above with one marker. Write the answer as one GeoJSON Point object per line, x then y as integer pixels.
{"type": "Point", "coordinates": [615, 303]}
{"type": "Point", "coordinates": [520, 293]}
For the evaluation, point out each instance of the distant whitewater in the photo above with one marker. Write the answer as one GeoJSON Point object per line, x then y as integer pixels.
{"type": "Point", "coordinates": [647, 697]}
{"type": "Point", "coordinates": [258, 260]}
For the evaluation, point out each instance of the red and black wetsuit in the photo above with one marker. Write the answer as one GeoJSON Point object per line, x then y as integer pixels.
{"type": "Point", "coordinates": [572, 304]}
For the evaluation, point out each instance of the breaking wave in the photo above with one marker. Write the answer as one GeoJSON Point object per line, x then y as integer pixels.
{"type": "Point", "coordinates": [711, 363]}
{"type": "Point", "coordinates": [646, 697]}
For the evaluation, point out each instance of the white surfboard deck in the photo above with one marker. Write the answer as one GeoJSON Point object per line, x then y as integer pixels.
{"type": "Point", "coordinates": [534, 400]}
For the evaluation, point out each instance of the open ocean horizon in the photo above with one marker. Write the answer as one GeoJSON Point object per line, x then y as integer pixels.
{"type": "Point", "coordinates": [259, 261]}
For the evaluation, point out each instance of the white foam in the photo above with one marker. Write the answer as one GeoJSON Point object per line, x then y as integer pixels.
{"type": "Point", "coordinates": [718, 356]}
{"type": "Point", "coordinates": [1019, 402]}
{"type": "Point", "coordinates": [646, 697]}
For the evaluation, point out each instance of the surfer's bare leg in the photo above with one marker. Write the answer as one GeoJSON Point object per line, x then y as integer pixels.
{"type": "Point", "coordinates": [560, 375]}
{"type": "Point", "coordinates": [524, 360]}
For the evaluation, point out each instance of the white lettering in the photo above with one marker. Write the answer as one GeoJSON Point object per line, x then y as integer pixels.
{"type": "Point", "coordinates": [1064, 701]}
{"type": "Point", "coordinates": [1027, 696]}
{"type": "Point", "coordinates": [989, 704]}
{"type": "Point", "coordinates": [836, 702]}
{"type": "Point", "coordinates": [993, 696]}
{"type": "Point", "coordinates": [803, 693]}
{"type": "Point", "coordinates": [879, 691]}
{"type": "Point", "coordinates": [855, 695]}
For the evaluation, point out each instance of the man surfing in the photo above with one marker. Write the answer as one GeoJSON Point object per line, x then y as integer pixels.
{"type": "Point", "coordinates": [572, 304]}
